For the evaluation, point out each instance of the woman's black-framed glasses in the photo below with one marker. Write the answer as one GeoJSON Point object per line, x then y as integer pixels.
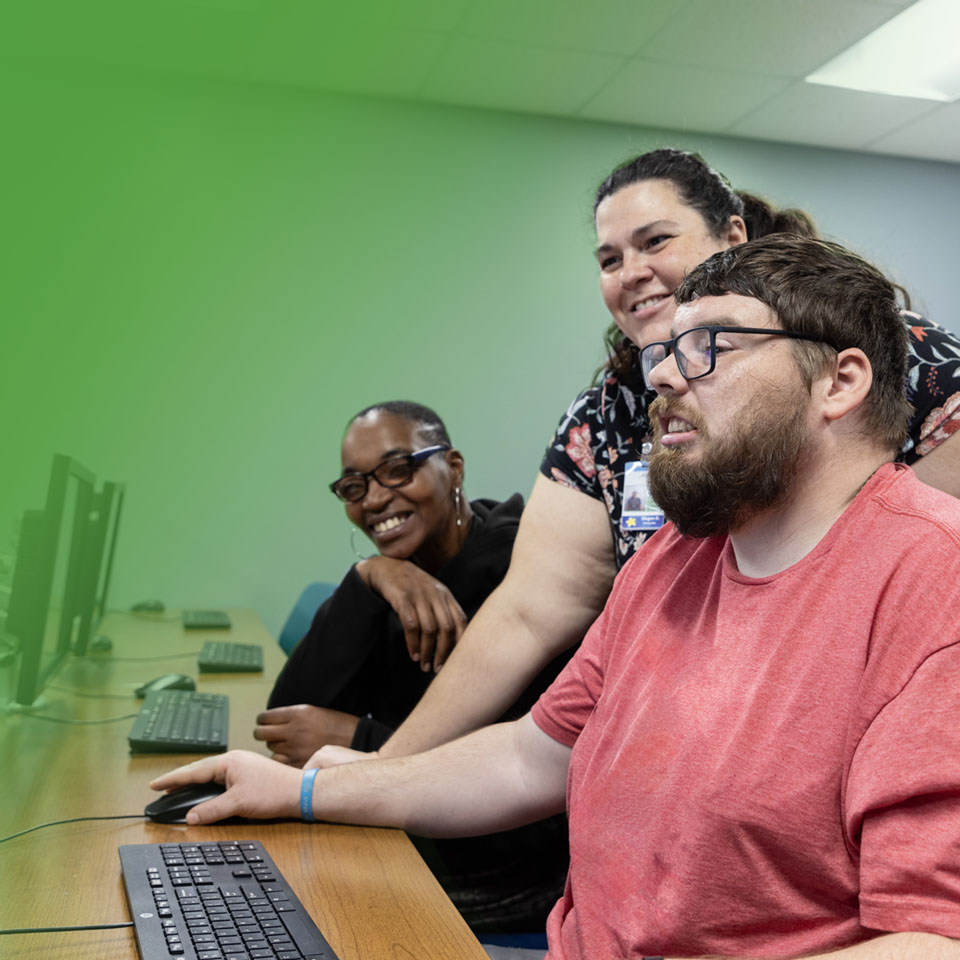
{"type": "Point", "coordinates": [696, 349]}
{"type": "Point", "coordinates": [394, 472]}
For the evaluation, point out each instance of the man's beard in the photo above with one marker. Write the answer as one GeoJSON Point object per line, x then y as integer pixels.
{"type": "Point", "coordinates": [750, 469]}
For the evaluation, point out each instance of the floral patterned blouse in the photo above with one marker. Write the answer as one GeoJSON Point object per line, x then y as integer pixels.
{"type": "Point", "coordinates": [605, 426]}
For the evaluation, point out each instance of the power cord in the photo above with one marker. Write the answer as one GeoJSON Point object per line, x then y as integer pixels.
{"type": "Point", "coordinates": [96, 926]}
{"type": "Point", "coordinates": [166, 656]}
{"type": "Point", "coordinates": [91, 696]}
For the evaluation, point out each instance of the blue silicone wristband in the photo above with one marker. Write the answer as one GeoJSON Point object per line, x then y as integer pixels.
{"type": "Point", "coordinates": [306, 795]}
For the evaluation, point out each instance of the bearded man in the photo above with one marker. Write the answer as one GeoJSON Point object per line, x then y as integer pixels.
{"type": "Point", "coordinates": [757, 743]}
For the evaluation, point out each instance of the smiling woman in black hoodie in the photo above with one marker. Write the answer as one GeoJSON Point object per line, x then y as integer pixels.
{"type": "Point", "coordinates": [375, 644]}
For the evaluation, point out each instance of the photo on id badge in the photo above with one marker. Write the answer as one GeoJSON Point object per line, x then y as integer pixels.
{"type": "Point", "coordinates": [640, 512]}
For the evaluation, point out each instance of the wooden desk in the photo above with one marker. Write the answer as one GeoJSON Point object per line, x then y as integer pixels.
{"type": "Point", "coordinates": [366, 888]}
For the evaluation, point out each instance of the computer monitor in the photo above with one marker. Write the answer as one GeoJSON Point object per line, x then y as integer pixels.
{"type": "Point", "coordinates": [100, 544]}
{"type": "Point", "coordinates": [46, 595]}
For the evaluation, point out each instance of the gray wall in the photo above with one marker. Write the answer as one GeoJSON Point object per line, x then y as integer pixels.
{"type": "Point", "coordinates": [209, 279]}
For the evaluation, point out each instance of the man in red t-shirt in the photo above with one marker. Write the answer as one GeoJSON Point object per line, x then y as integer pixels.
{"type": "Point", "coordinates": [757, 743]}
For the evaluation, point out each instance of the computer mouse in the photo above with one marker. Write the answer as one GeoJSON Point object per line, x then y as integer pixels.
{"type": "Point", "coordinates": [101, 644]}
{"type": "Point", "coordinates": [148, 606]}
{"type": "Point", "coordinates": [173, 807]}
{"type": "Point", "coordinates": [169, 681]}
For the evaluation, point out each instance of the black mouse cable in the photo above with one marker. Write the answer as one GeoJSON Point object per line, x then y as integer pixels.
{"type": "Point", "coordinates": [55, 823]}
{"type": "Point", "coordinates": [80, 723]}
{"type": "Point", "coordinates": [94, 926]}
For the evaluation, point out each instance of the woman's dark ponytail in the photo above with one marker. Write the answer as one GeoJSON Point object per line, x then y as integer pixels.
{"type": "Point", "coordinates": [762, 219]}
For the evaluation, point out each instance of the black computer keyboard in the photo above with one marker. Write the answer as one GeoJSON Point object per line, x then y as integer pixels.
{"type": "Point", "coordinates": [181, 721]}
{"type": "Point", "coordinates": [206, 620]}
{"type": "Point", "coordinates": [216, 901]}
{"type": "Point", "coordinates": [220, 656]}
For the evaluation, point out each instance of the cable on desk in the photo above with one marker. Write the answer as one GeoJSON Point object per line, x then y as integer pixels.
{"type": "Point", "coordinates": [166, 656]}
{"type": "Point", "coordinates": [54, 823]}
{"type": "Point", "coordinates": [90, 696]}
{"type": "Point", "coordinates": [80, 723]}
{"type": "Point", "coordinates": [95, 926]}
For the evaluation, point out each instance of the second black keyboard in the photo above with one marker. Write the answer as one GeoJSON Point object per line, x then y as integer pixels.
{"type": "Point", "coordinates": [222, 656]}
{"type": "Point", "coordinates": [181, 721]}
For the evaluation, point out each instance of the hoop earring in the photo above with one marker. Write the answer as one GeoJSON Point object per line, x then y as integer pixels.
{"type": "Point", "coordinates": [459, 521]}
{"type": "Point", "coordinates": [353, 544]}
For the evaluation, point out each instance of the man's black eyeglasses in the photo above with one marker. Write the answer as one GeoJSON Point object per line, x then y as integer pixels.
{"type": "Point", "coordinates": [696, 349]}
{"type": "Point", "coordinates": [394, 472]}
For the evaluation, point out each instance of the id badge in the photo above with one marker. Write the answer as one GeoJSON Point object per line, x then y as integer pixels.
{"type": "Point", "coordinates": [639, 512]}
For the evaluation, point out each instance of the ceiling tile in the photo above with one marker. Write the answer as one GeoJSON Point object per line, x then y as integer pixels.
{"type": "Point", "coordinates": [680, 97]}
{"type": "Point", "coordinates": [778, 37]}
{"type": "Point", "coordinates": [712, 66]}
{"type": "Point", "coordinates": [602, 26]}
{"type": "Point", "coordinates": [934, 137]}
{"type": "Point", "coordinates": [828, 116]}
{"type": "Point", "coordinates": [509, 76]}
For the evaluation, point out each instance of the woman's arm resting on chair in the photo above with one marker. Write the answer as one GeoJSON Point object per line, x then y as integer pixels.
{"type": "Point", "coordinates": [431, 618]}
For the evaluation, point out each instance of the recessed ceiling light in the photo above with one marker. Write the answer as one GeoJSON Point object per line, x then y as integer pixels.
{"type": "Point", "coordinates": [912, 55]}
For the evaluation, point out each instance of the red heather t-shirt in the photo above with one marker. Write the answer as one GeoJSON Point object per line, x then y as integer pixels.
{"type": "Point", "coordinates": [768, 766]}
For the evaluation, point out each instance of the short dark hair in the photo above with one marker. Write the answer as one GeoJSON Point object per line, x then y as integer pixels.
{"type": "Point", "coordinates": [428, 422]}
{"type": "Point", "coordinates": [821, 288]}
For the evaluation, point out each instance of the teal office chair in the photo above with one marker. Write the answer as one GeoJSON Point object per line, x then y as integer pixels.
{"type": "Point", "coordinates": [301, 616]}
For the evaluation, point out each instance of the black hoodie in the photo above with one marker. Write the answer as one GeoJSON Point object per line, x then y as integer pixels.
{"type": "Point", "coordinates": [354, 658]}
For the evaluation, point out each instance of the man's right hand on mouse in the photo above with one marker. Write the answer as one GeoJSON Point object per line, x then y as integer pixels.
{"type": "Point", "coordinates": [257, 787]}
